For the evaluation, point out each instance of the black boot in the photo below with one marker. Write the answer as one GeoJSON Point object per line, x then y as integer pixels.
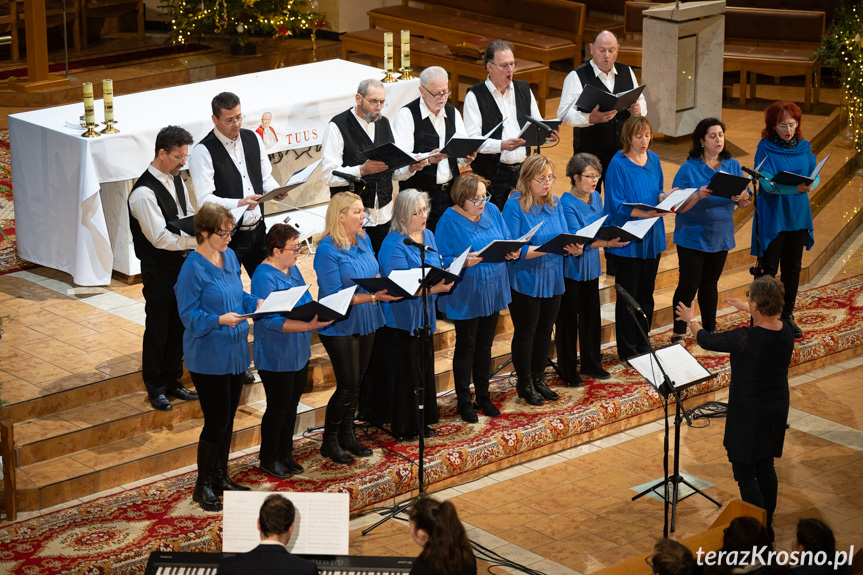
{"type": "Point", "coordinates": [542, 388]}
{"type": "Point", "coordinates": [789, 318]}
{"type": "Point", "coordinates": [291, 464]}
{"type": "Point", "coordinates": [466, 412]}
{"type": "Point", "coordinates": [484, 404]}
{"type": "Point", "coordinates": [205, 496]}
{"type": "Point", "coordinates": [525, 390]}
{"type": "Point", "coordinates": [348, 439]}
{"type": "Point", "coordinates": [330, 448]}
{"type": "Point", "coordinates": [222, 482]}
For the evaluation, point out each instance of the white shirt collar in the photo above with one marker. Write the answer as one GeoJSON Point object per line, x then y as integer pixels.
{"type": "Point", "coordinates": [224, 139]}
{"type": "Point", "coordinates": [159, 175]}
{"type": "Point", "coordinates": [599, 73]}
{"type": "Point", "coordinates": [360, 119]}
{"type": "Point", "coordinates": [425, 112]}
{"type": "Point", "coordinates": [492, 88]}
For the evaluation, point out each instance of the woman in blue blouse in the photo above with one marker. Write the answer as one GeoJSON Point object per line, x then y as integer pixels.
{"type": "Point", "coordinates": [408, 367]}
{"type": "Point", "coordinates": [535, 279]}
{"type": "Point", "coordinates": [282, 349]}
{"type": "Point", "coordinates": [634, 175]}
{"type": "Point", "coordinates": [579, 320]}
{"type": "Point", "coordinates": [783, 225]}
{"type": "Point", "coordinates": [473, 307]}
{"type": "Point", "coordinates": [345, 253]}
{"type": "Point", "coordinates": [211, 299]}
{"type": "Point", "coordinates": [704, 226]}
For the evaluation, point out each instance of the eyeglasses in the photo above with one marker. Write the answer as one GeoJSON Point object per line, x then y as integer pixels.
{"type": "Point", "coordinates": [789, 126]}
{"type": "Point", "coordinates": [439, 95]}
{"type": "Point", "coordinates": [591, 176]}
{"type": "Point", "coordinates": [295, 250]}
{"type": "Point", "coordinates": [376, 103]}
{"type": "Point", "coordinates": [747, 293]}
{"type": "Point", "coordinates": [238, 119]}
{"type": "Point", "coordinates": [181, 158]}
{"type": "Point", "coordinates": [649, 561]}
{"type": "Point", "coordinates": [507, 66]}
{"type": "Point", "coordinates": [422, 212]}
{"type": "Point", "coordinates": [231, 233]}
{"type": "Point", "coordinates": [548, 180]}
{"type": "Point", "coordinates": [479, 201]}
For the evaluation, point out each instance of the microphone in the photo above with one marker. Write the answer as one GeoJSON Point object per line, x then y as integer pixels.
{"type": "Point", "coordinates": [410, 242]}
{"type": "Point", "coordinates": [539, 123]}
{"type": "Point", "coordinates": [349, 177]}
{"type": "Point", "coordinates": [628, 299]}
{"type": "Point", "coordinates": [753, 173]}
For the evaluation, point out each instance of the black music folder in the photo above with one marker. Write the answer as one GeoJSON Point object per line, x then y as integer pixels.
{"type": "Point", "coordinates": [592, 96]}
{"type": "Point", "coordinates": [529, 132]}
{"type": "Point", "coordinates": [725, 185]}
{"type": "Point", "coordinates": [792, 179]}
{"type": "Point", "coordinates": [556, 244]}
{"type": "Point", "coordinates": [393, 156]}
{"type": "Point", "coordinates": [462, 146]}
{"type": "Point", "coordinates": [182, 226]}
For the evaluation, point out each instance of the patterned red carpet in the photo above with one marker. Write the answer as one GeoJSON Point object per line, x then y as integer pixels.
{"type": "Point", "coordinates": [9, 260]}
{"type": "Point", "coordinates": [114, 534]}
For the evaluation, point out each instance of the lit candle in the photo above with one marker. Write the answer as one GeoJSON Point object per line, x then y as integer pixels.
{"type": "Point", "coordinates": [89, 114]}
{"type": "Point", "coordinates": [406, 49]}
{"type": "Point", "coordinates": [108, 96]}
{"type": "Point", "coordinates": [388, 51]}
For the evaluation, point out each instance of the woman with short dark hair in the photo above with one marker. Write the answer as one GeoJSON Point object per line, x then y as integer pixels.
{"type": "Point", "coordinates": [758, 399]}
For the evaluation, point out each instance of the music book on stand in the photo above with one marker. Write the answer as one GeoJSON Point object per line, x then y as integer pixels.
{"type": "Point", "coordinates": [592, 96]}
{"type": "Point", "coordinates": [497, 250]}
{"type": "Point", "coordinates": [680, 365]}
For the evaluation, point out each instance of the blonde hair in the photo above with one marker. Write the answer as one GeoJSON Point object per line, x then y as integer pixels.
{"type": "Point", "coordinates": [339, 205]}
{"type": "Point", "coordinates": [631, 127]}
{"type": "Point", "coordinates": [531, 168]}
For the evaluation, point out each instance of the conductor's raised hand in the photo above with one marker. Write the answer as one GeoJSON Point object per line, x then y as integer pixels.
{"type": "Point", "coordinates": [738, 303]}
{"type": "Point", "coordinates": [372, 167]}
{"type": "Point", "coordinates": [597, 117]}
{"type": "Point", "coordinates": [683, 313]}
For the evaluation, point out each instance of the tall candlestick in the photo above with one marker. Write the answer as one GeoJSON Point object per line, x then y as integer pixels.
{"type": "Point", "coordinates": [406, 49]}
{"type": "Point", "coordinates": [388, 52]}
{"type": "Point", "coordinates": [89, 113]}
{"type": "Point", "coordinates": [108, 97]}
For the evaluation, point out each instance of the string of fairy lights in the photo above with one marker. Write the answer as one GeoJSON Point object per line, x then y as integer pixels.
{"type": "Point", "coordinates": [845, 43]}
{"type": "Point", "coordinates": [191, 19]}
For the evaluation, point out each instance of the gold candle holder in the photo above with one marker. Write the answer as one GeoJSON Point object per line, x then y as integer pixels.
{"type": "Point", "coordinates": [108, 99]}
{"type": "Point", "coordinates": [406, 74]}
{"type": "Point", "coordinates": [406, 56]}
{"type": "Point", "coordinates": [388, 59]}
{"type": "Point", "coordinates": [109, 127]}
{"type": "Point", "coordinates": [89, 112]}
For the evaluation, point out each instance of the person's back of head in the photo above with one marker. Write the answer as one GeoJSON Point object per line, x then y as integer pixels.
{"type": "Point", "coordinates": [814, 535]}
{"type": "Point", "coordinates": [672, 558]}
{"type": "Point", "coordinates": [446, 548]}
{"type": "Point", "coordinates": [276, 516]}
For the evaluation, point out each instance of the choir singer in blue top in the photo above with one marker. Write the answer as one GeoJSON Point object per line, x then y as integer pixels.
{"type": "Point", "coordinates": [535, 279]}
{"type": "Point", "coordinates": [211, 301]}
{"type": "Point", "coordinates": [475, 306]}
{"type": "Point", "coordinates": [282, 349]}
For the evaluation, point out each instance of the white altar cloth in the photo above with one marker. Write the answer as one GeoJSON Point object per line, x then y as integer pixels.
{"type": "Point", "coordinates": [56, 174]}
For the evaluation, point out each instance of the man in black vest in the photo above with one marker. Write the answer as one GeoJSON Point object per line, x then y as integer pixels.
{"type": "Point", "coordinates": [230, 167]}
{"type": "Point", "coordinates": [347, 138]}
{"type": "Point", "coordinates": [426, 125]}
{"type": "Point", "coordinates": [499, 98]}
{"type": "Point", "coordinates": [158, 197]}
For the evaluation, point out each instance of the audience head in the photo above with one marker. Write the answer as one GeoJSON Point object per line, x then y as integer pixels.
{"type": "Point", "coordinates": [767, 294]}
{"type": "Point", "coordinates": [436, 527]}
{"type": "Point", "coordinates": [344, 219]}
{"type": "Point", "coordinates": [500, 63]}
{"type": "Point", "coordinates": [671, 558]}
{"type": "Point", "coordinates": [470, 193]}
{"type": "Point", "coordinates": [709, 137]}
{"type": "Point", "coordinates": [636, 132]}
{"type": "Point", "coordinates": [214, 224]}
{"type": "Point", "coordinates": [814, 535]}
{"type": "Point", "coordinates": [783, 119]}
{"type": "Point", "coordinates": [603, 50]}
{"type": "Point", "coordinates": [535, 182]}
{"type": "Point", "coordinates": [583, 171]}
{"type": "Point", "coordinates": [371, 99]}
{"type": "Point", "coordinates": [283, 244]}
{"type": "Point", "coordinates": [744, 532]}
{"type": "Point", "coordinates": [227, 115]}
{"type": "Point", "coordinates": [434, 88]}
{"type": "Point", "coordinates": [172, 149]}
{"type": "Point", "coordinates": [276, 518]}
{"type": "Point", "coordinates": [410, 212]}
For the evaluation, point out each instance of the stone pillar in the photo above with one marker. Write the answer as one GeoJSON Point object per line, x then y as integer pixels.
{"type": "Point", "coordinates": [692, 35]}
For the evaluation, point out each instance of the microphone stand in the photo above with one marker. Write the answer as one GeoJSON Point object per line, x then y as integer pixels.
{"type": "Point", "coordinates": [757, 270]}
{"type": "Point", "coordinates": [425, 336]}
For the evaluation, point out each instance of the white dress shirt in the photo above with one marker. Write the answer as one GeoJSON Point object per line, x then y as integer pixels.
{"type": "Point", "coordinates": [506, 103]}
{"type": "Point", "coordinates": [203, 173]}
{"type": "Point", "coordinates": [403, 132]}
{"type": "Point", "coordinates": [144, 207]}
{"type": "Point", "coordinates": [332, 155]}
{"type": "Point", "coordinates": [572, 89]}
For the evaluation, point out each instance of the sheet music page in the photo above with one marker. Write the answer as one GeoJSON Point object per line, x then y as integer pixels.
{"type": "Point", "coordinates": [820, 165]}
{"type": "Point", "coordinates": [320, 525]}
{"type": "Point", "coordinates": [675, 199]}
{"type": "Point", "coordinates": [639, 226]}
{"type": "Point", "coordinates": [589, 231]}
{"type": "Point", "coordinates": [566, 110]}
{"type": "Point", "coordinates": [339, 301]}
{"type": "Point", "coordinates": [282, 300]}
{"type": "Point", "coordinates": [680, 365]}
{"type": "Point", "coordinates": [238, 213]}
{"type": "Point", "coordinates": [301, 176]}
{"type": "Point", "coordinates": [458, 263]}
{"type": "Point", "coordinates": [527, 237]}
{"type": "Point", "coordinates": [408, 280]}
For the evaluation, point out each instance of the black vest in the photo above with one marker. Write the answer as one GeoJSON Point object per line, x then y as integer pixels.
{"type": "Point", "coordinates": [147, 252]}
{"type": "Point", "coordinates": [226, 176]}
{"type": "Point", "coordinates": [356, 144]}
{"type": "Point", "coordinates": [602, 140]}
{"type": "Point", "coordinates": [486, 165]}
{"type": "Point", "coordinates": [426, 139]}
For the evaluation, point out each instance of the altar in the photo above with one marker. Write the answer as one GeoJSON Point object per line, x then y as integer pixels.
{"type": "Point", "coordinates": [71, 212]}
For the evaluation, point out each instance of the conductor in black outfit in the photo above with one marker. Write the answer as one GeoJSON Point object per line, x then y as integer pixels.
{"type": "Point", "coordinates": [158, 197]}
{"type": "Point", "coordinates": [758, 399]}
{"type": "Point", "coordinates": [271, 557]}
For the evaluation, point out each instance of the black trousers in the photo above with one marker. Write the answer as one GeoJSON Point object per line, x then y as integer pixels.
{"type": "Point", "coordinates": [758, 485]}
{"type": "Point", "coordinates": [283, 389]}
{"type": "Point", "coordinates": [638, 277]}
{"type": "Point", "coordinates": [219, 396]}
{"type": "Point", "coordinates": [502, 184]}
{"type": "Point", "coordinates": [785, 253]}
{"type": "Point", "coordinates": [532, 321]}
{"type": "Point", "coordinates": [162, 350]}
{"type": "Point", "coordinates": [412, 369]}
{"type": "Point", "coordinates": [473, 340]}
{"type": "Point", "coordinates": [699, 272]}
{"type": "Point", "coordinates": [350, 355]}
{"type": "Point", "coordinates": [249, 247]}
{"type": "Point", "coordinates": [377, 235]}
{"type": "Point", "coordinates": [578, 322]}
